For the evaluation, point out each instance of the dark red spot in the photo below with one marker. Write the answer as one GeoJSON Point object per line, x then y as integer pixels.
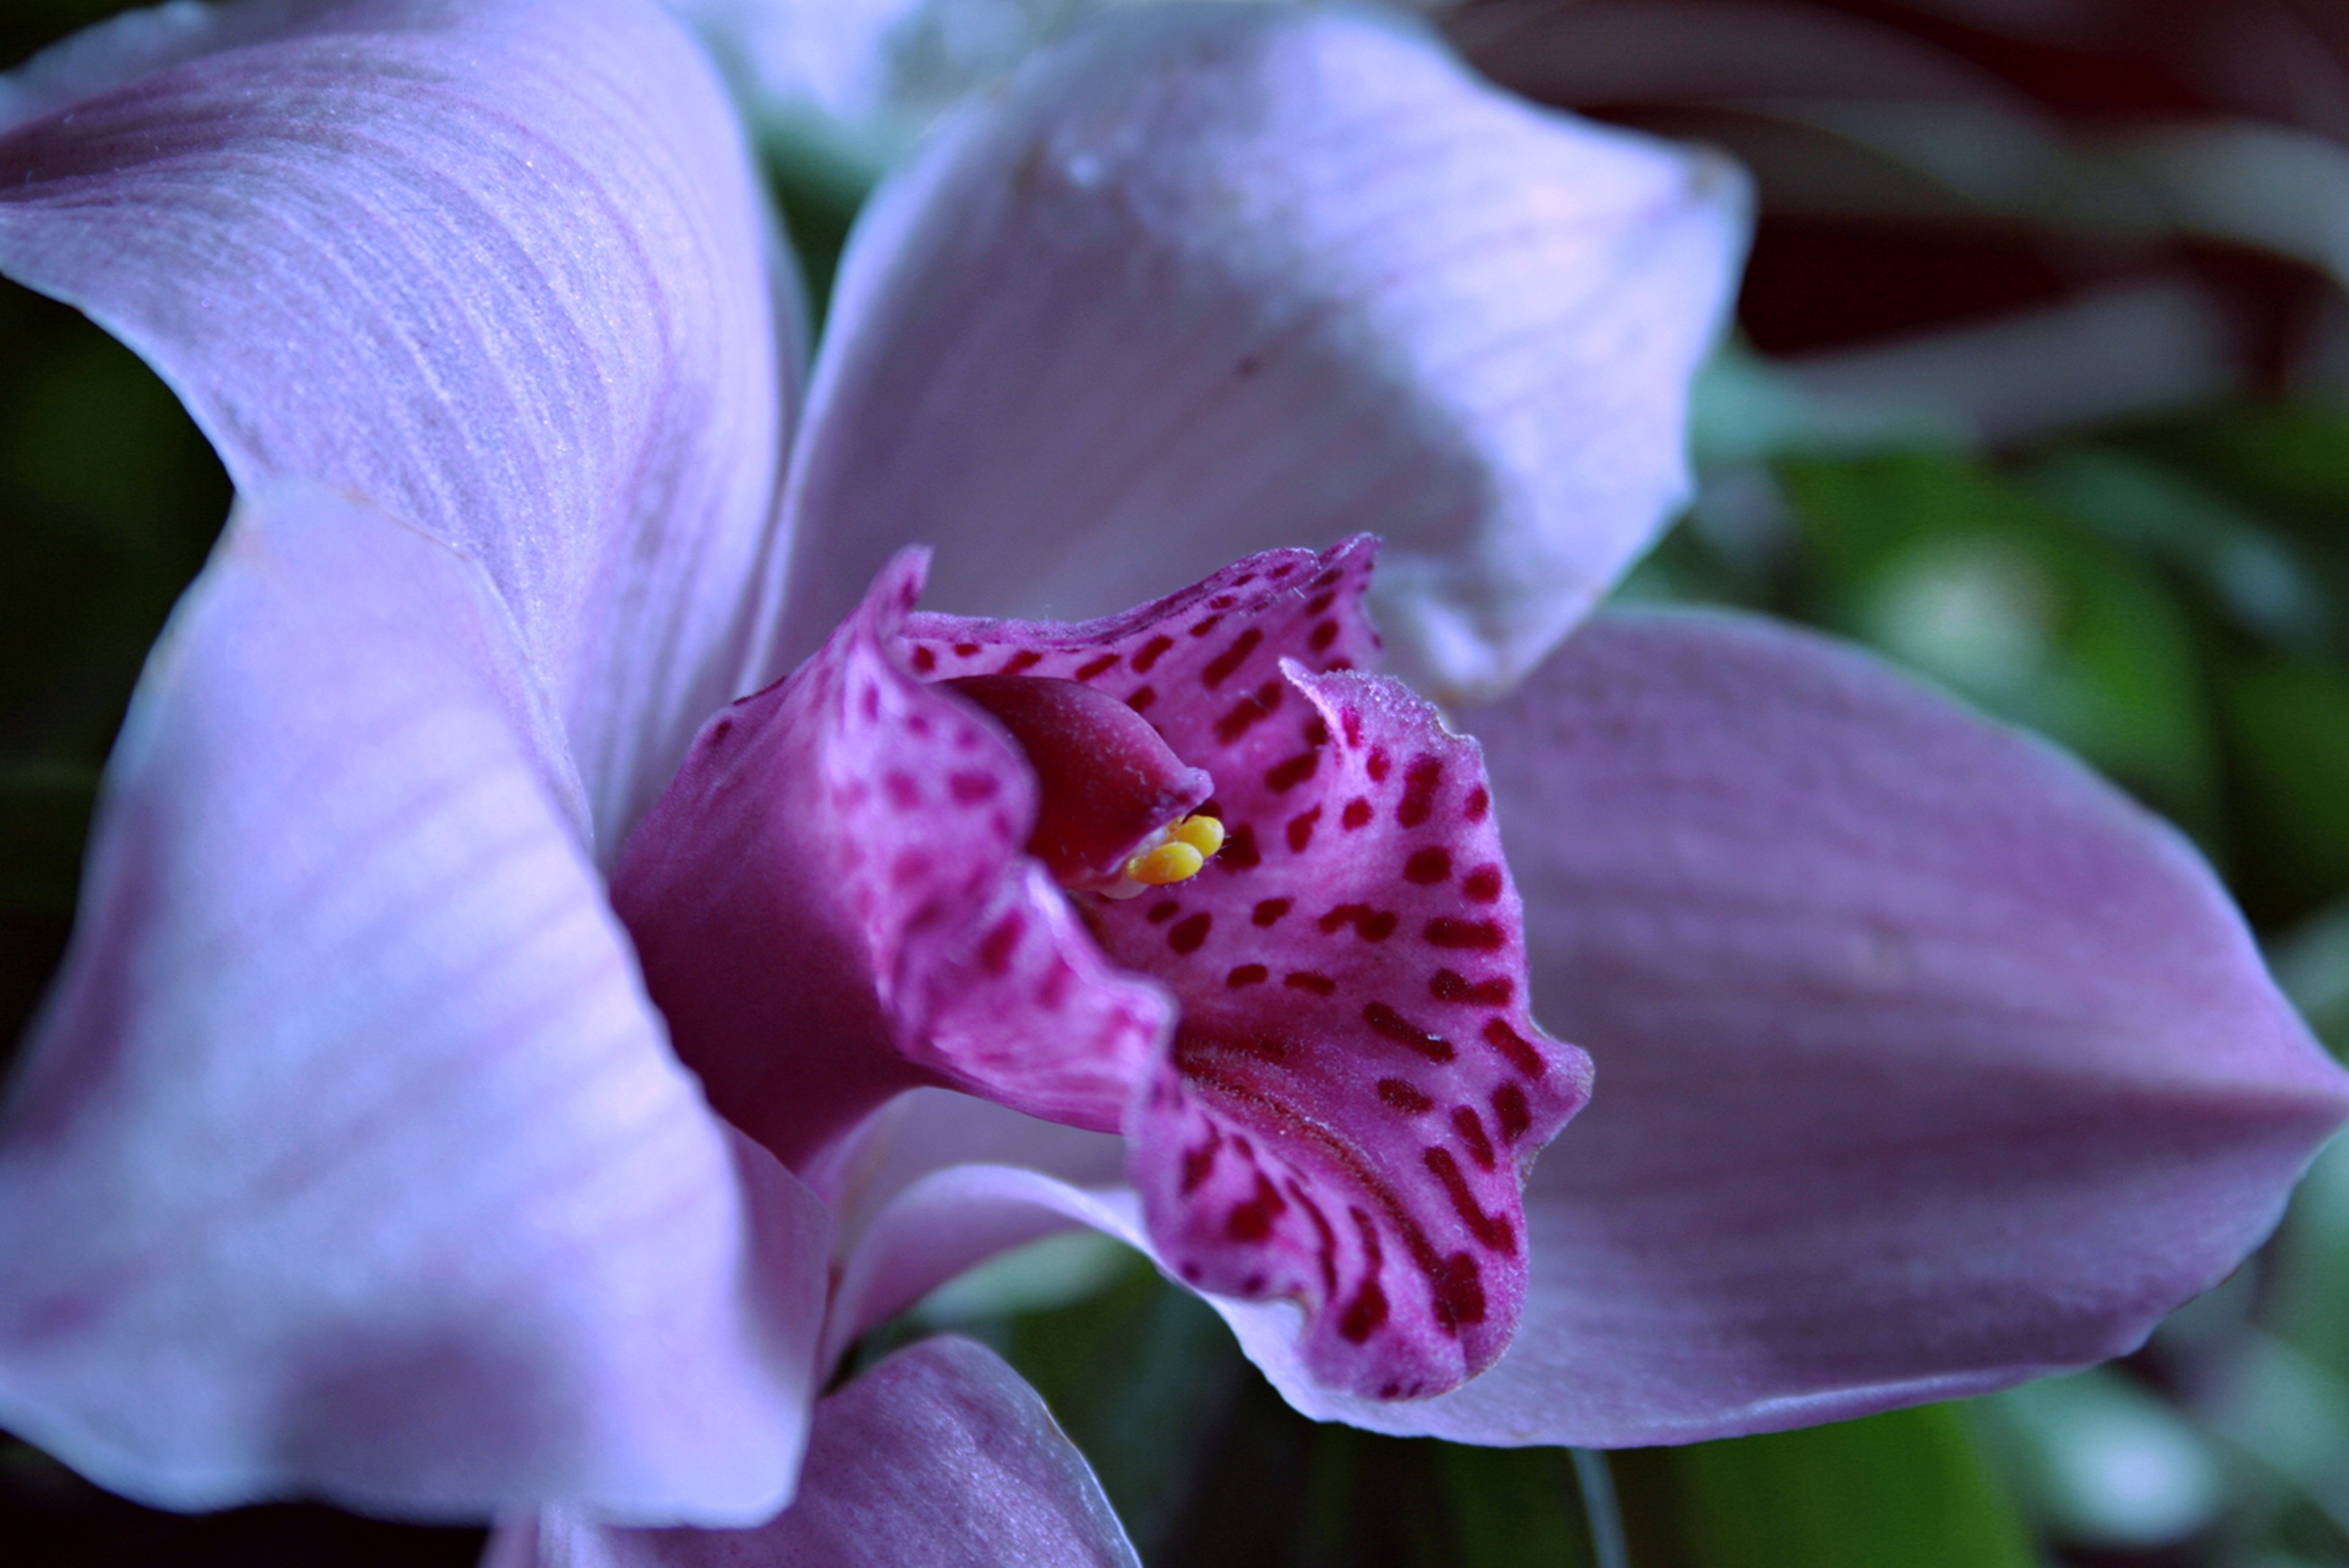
{"type": "Point", "coordinates": [996, 947]}
{"type": "Point", "coordinates": [1317, 730]}
{"type": "Point", "coordinates": [1483, 936]}
{"type": "Point", "coordinates": [1288, 776]}
{"type": "Point", "coordinates": [1356, 814]}
{"type": "Point", "coordinates": [1301, 829]}
{"type": "Point", "coordinates": [1370, 925]}
{"type": "Point", "coordinates": [1252, 1220]}
{"type": "Point", "coordinates": [1223, 601]}
{"type": "Point", "coordinates": [1451, 986]}
{"type": "Point", "coordinates": [1378, 764]}
{"type": "Point", "coordinates": [1142, 698]}
{"type": "Point", "coordinates": [970, 788]}
{"type": "Point", "coordinates": [1202, 628]}
{"type": "Point", "coordinates": [1353, 723]}
{"type": "Point", "coordinates": [720, 729]}
{"type": "Point", "coordinates": [1282, 570]}
{"type": "Point", "coordinates": [1270, 909]}
{"type": "Point", "coordinates": [923, 659]}
{"type": "Point", "coordinates": [872, 695]}
{"type": "Point", "coordinates": [1459, 1293]}
{"type": "Point", "coordinates": [1364, 1313]}
{"type": "Point", "coordinates": [1324, 1240]}
{"type": "Point", "coordinates": [1219, 669]}
{"type": "Point", "coordinates": [1093, 668]}
{"type": "Point", "coordinates": [1472, 1133]}
{"type": "Point", "coordinates": [1323, 636]}
{"type": "Point", "coordinates": [1515, 1047]}
{"type": "Point", "coordinates": [1245, 713]}
{"type": "Point", "coordinates": [1493, 1230]}
{"type": "Point", "coordinates": [1318, 603]}
{"type": "Point", "coordinates": [1189, 932]}
{"type": "Point", "coordinates": [1247, 974]}
{"type": "Point", "coordinates": [1053, 990]}
{"type": "Point", "coordinates": [1159, 913]}
{"type": "Point", "coordinates": [1479, 802]}
{"type": "Point", "coordinates": [1026, 658]}
{"type": "Point", "coordinates": [1510, 1109]}
{"type": "Point", "coordinates": [1240, 853]}
{"type": "Point", "coordinates": [1418, 782]}
{"type": "Point", "coordinates": [1403, 1032]}
{"type": "Point", "coordinates": [1328, 579]}
{"type": "Point", "coordinates": [1482, 884]}
{"type": "Point", "coordinates": [1151, 653]}
{"type": "Point", "coordinates": [1199, 1163]}
{"type": "Point", "coordinates": [1428, 867]}
{"type": "Point", "coordinates": [966, 651]}
{"type": "Point", "coordinates": [903, 792]}
{"type": "Point", "coordinates": [1307, 980]}
{"type": "Point", "coordinates": [1404, 1097]}
{"type": "Point", "coordinates": [918, 724]}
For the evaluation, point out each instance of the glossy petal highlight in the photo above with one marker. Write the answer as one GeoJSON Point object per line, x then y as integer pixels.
{"type": "Point", "coordinates": [348, 1158]}
{"type": "Point", "coordinates": [1927, 1062]}
{"type": "Point", "coordinates": [1203, 281]}
{"type": "Point", "coordinates": [501, 267]}
{"type": "Point", "coordinates": [939, 1457]}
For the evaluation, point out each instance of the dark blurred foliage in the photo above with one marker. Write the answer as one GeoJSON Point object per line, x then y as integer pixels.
{"type": "Point", "coordinates": [2161, 582]}
{"type": "Point", "coordinates": [1932, 162]}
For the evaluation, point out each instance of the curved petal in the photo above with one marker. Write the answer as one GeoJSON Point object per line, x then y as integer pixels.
{"type": "Point", "coordinates": [1316, 1133]}
{"type": "Point", "coordinates": [832, 906]}
{"type": "Point", "coordinates": [952, 1219]}
{"type": "Point", "coordinates": [1927, 1062]}
{"type": "Point", "coordinates": [939, 1457]}
{"type": "Point", "coordinates": [348, 1157]}
{"type": "Point", "coordinates": [500, 268]}
{"type": "Point", "coordinates": [1207, 280]}
{"type": "Point", "coordinates": [927, 1130]}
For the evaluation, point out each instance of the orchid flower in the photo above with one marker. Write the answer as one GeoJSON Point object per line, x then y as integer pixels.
{"type": "Point", "coordinates": [364, 1149]}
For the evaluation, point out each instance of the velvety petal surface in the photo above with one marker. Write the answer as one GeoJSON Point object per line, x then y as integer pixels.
{"type": "Point", "coordinates": [348, 1158]}
{"type": "Point", "coordinates": [1204, 280]}
{"type": "Point", "coordinates": [502, 266]}
{"type": "Point", "coordinates": [832, 904]}
{"type": "Point", "coordinates": [1356, 1085]}
{"type": "Point", "coordinates": [939, 1457]}
{"type": "Point", "coordinates": [1927, 1062]}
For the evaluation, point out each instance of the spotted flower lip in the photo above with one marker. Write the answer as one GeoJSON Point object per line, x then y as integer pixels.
{"type": "Point", "coordinates": [1334, 1089]}
{"type": "Point", "coordinates": [351, 1157]}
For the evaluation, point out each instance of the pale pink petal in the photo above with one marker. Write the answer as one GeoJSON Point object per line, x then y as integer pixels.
{"type": "Point", "coordinates": [1926, 1061]}
{"type": "Point", "coordinates": [348, 1158]}
{"type": "Point", "coordinates": [499, 267]}
{"type": "Point", "coordinates": [1205, 280]}
{"type": "Point", "coordinates": [832, 904]}
{"type": "Point", "coordinates": [1355, 1083]}
{"type": "Point", "coordinates": [927, 1130]}
{"type": "Point", "coordinates": [949, 1220]}
{"type": "Point", "coordinates": [939, 1457]}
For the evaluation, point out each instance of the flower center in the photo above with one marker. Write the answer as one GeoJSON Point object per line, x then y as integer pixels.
{"type": "Point", "coordinates": [1115, 807]}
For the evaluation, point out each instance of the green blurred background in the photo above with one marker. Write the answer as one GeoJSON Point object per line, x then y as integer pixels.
{"type": "Point", "coordinates": [2168, 594]}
